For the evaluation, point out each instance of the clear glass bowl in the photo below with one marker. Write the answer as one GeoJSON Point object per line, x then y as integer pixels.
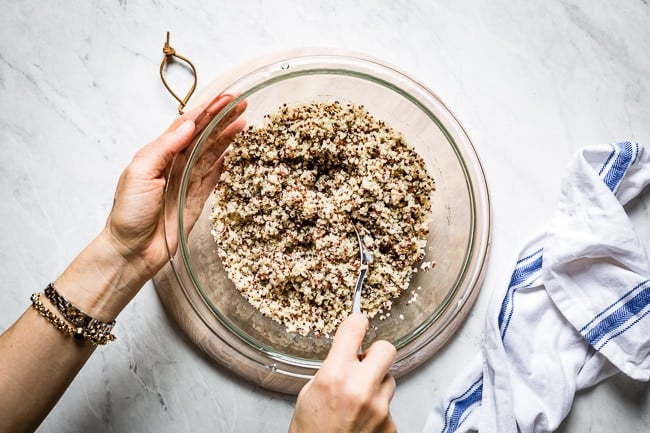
{"type": "Point", "coordinates": [256, 347]}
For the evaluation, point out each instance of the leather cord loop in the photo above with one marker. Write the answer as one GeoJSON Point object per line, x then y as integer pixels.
{"type": "Point", "coordinates": [170, 55]}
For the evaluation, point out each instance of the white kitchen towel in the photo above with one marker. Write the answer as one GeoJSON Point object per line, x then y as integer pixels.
{"type": "Point", "coordinates": [576, 310]}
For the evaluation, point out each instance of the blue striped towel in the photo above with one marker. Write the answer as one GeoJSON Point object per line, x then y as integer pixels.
{"type": "Point", "coordinates": [576, 310]}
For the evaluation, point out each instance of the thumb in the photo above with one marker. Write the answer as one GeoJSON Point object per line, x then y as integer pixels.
{"type": "Point", "coordinates": [160, 152]}
{"type": "Point", "coordinates": [348, 338]}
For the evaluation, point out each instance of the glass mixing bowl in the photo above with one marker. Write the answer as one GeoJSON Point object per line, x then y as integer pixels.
{"type": "Point", "coordinates": [228, 328]}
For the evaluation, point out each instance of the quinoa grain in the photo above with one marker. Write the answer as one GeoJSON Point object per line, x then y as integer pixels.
{"type": "Point", "coordinates": [287, 202]}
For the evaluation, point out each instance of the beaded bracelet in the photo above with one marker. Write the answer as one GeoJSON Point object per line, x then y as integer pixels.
{"type": "Point", "coordinates": [85, 327]}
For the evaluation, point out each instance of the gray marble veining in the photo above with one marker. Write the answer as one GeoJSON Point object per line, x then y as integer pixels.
{"type": "Point", "coordinates": [531, 82]}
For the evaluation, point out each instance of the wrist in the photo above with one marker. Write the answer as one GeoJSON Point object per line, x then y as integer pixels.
{"type": "Point", "coordinates": [101, 281]}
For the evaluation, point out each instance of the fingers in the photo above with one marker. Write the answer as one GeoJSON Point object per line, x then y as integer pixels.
{"type": "Point", "coordinates": [386, 426]}
{"type": "Point", "coordinates": [202, 113]}
{"type": "Point", "coordinates": [379, 419]}
{"type": "Point", "coordinates": [220, 138]}
{"type": "Point", "coordinates": [204, 179]}
{"type": "Point", "coordinates": [214, 147]}
{"type": "Point", "coordinates": [199, 116]}
{"type": "Point", "coordinates": [156, 156]}
{"type": "Point", "coordinates": [387, 388]}
{"type": "Point", "coordinates": [379, 357]}
{"type": "Point", "coordinates": [349, 336]}
{"type": "Point", "coordinates": [233, 116]}
{"type": "Point", "coordinates": [207, 168]}
{"type": "Point", "coordinates": [347, 394]}
{"type": "Point", "coordinates": [347, 340]}
{"type": "Point", "coordinates": [212, 109]}
{"type": "Point", "coordinates": [214, 171]}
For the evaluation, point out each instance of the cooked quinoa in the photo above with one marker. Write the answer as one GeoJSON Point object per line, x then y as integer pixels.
{"type": "Point", "coordinates": [289, 197]}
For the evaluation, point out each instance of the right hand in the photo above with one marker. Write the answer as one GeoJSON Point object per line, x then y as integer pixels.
{"type": "Point", "coordinates": [348, 394]}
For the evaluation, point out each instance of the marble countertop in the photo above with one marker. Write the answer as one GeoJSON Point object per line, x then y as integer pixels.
{"type": "Point", "coordinates": [532, 82]}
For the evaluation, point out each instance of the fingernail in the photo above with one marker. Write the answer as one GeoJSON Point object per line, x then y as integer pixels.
{"type": "Point", "coordinates": [185, 127]}
{"type": "Point", "coordinates": [217, 101]}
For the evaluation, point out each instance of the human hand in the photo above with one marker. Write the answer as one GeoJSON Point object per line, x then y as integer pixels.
{"type": "Point", "coordinates": [136, 223]}
{"type": "Point", "coordinates": [348, 394]}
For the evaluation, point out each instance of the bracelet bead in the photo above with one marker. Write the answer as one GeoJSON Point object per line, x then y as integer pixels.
{"type": "Point", "coordinates": [83, 326]}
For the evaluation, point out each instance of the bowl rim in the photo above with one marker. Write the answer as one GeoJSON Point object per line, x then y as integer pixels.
{"type": "Point", "coordinates": [478, 243]}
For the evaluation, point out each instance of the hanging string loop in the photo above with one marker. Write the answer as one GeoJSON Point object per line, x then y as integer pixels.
{"type": "Point", "coordinates": [171, 55]}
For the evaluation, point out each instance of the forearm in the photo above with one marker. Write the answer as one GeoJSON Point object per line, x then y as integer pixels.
{"type": "Point", "coordinates": [38, 362]}
{"type": "Point", "coordinates": [101, 281]}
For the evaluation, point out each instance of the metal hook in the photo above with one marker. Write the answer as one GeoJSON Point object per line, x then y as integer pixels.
{"type": "Point", "coordinates": [169, 53]}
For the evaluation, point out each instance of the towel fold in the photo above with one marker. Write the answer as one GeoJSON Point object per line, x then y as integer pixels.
{"type": "Point", "coordinates": [576, 310]}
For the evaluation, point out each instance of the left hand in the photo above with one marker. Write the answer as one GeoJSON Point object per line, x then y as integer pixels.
{"type": "Point", "coordinates": [135, 226]}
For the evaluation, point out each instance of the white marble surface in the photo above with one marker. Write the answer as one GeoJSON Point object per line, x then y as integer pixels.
{"type": "Point", "coordinates": [532, 82]}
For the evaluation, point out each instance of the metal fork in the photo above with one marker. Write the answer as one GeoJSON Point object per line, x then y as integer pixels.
{"type": "Point", "coordinates": [366, 259]}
